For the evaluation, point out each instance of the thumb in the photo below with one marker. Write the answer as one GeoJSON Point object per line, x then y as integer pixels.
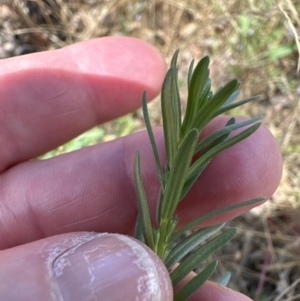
{"type": "Point", "coordinates": [83, 266]}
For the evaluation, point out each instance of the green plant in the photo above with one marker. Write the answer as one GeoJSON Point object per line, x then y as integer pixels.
{"type": "Point", "coordinates": [180, 172]}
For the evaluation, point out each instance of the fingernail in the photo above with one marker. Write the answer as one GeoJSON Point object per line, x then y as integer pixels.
{"type": "Point", "coordinates": [112, 267]}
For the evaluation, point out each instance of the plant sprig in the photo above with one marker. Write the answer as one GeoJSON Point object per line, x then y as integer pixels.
{"type": "Point", "coordinates": [180, 172]}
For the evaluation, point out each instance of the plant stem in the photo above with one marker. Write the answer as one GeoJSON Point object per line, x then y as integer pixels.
{"type": "Point", "coordinates": [162, 238]}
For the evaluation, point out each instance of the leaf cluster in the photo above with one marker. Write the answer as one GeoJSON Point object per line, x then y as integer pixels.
{"type": "Point", "coordinates": [186, 158]}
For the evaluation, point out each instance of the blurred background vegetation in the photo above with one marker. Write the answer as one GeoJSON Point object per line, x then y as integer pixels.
{"type": "Point", "coordinates": [256, 41]}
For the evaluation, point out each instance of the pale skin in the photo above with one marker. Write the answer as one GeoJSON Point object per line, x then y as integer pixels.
{"type": "Point", "coordinates": [51, 97]}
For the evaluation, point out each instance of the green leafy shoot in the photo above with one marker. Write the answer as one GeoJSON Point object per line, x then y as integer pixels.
{"type": "Point", "coordinates": [186, 158]}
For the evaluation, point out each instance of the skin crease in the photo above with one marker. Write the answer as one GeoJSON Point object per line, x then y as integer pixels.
{"type": "Point", "coordinates": [54, 96]}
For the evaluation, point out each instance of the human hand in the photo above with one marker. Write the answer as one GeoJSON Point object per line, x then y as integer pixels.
{"type": "Point", "coordinates": [49, 98]}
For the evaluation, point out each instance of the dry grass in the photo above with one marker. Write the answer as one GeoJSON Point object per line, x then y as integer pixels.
{"type": "Point", "coordinates": [255, 41]}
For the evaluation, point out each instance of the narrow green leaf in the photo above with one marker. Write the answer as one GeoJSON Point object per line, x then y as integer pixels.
{"type": "Point", "coordinates": [190, 243]}
{"type": "Point", "coordinates": [177, 175]}
{"type": "Point", "coordinates": [190, 73]}
{"type": "Point", "coordinates": [193, 285]}
{"type": "Point", "coordinates": [233, 97]}
{"type": "Point", "coordinates": [174, 59]}
{"type": "Point", "coordinates": [158, 206]}
{"type": "Point", "coordinates": [143, 203]}
{"type": "Point", "coordinates": [194, 260]}
{"type": "Point", "coordinates": [225, 131]}
{"type": "Point", "coordinates": [210, 214]}
{"type": "Point", "coordinates": [198, 81]}
{"type": "Point", "coordinates": [224, 279]}
{"type": "Point", "coordinates": [156, 235]}
{"type": "Point", "coordinates": [220, 139]}
{"type": "Point", "coordinates": [176, 106]}
{"type": "Point", "coordinates": [210, 95]}
{"type": "Point", "coordinates": [138, 231]}
{"type": "Point", "coordinates": [231, 121]}
{"type": "Point", "coordinates": [192, 179]}
{"type": "Point", "coordinates": [169, 118]}
{"type": "Point", "coordinates": [231, 106]}
{"type": "Point", "coordinates": [205, 95]}
{"type": "Point", "coordinates": [207, 112]}
{"type": "Point", "coordinates": [152, 140]}
{"type": "Point", "coordinates": [171, 227]}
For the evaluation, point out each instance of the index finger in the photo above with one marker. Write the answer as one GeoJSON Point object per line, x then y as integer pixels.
{"type": "Point", "coordinates": [50, 97]}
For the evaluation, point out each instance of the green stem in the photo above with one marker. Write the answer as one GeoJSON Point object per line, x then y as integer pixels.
{"type": "Point", "coordinates": [162, 238]}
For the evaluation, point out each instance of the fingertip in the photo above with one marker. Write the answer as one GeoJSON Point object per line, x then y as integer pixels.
{"type": "Point", "coordinates": [214, 291]}
{"type": "Point", "coordinates": [84, 266]}
{"type": "Point", "coordinates": [120, 268]}
{"type": "Point", "coordinates": [113, 267]}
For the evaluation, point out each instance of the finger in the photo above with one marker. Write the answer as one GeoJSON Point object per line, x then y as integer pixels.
{"type": "Point", "coordinates": [213, 291]}
{"type": "Point", "coordinates": [83, 266]}
{"type": "Point", "coordinates": [93, 189]}
{"type": "Point", "coordinates": [50, 97]}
